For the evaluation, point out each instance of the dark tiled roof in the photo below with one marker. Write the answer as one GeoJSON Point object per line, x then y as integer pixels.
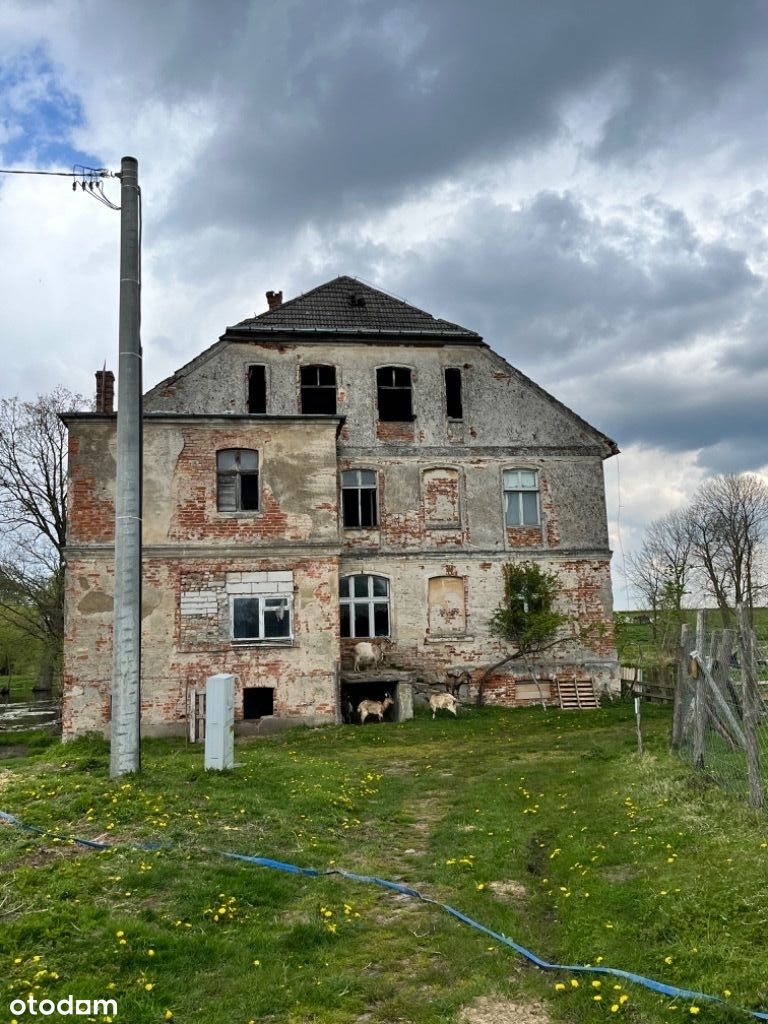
{"type": "Point", "coordinates": [348, 306]}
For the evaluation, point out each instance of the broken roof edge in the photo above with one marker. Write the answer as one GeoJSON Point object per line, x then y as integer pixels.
{"type": "Point", "coordinates": [375, 334]}
{"type": "Point", "coordinates": [81, 416]}
{"type": "Point", "coordinates": [608, 442]}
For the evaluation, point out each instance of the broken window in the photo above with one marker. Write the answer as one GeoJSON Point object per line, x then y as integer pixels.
{"type": "Point", "coordinates": [447, 606]}
{"type": "Point", "coordinates": [237, 480]}
{"type": "Point", "coordinates": [521, 497]}
{"type": "Point", "coordinates": [395, 394]}
{"type": "Point", "coordinates": [364, 606]}
{"type": "Point", "coordinates": [440, 491]}
{"type": "Point", "coordinates": [258, 701]}
{"type": "Point", "coordinates": [257, 390]}
{"type": "Point", "coordinates": [318, 390]}
{"type": "Point", "coordinates": [266, 617]}
{"type": "Point", "coordinates": [358, 498]}
{"type": "Point", "coordinates": [453, 406]}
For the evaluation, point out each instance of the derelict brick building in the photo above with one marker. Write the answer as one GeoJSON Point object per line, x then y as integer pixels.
{"type": "Point", "coordinates": [343, 467]}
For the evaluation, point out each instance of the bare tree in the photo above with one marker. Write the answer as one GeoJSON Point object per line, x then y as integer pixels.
{"type": "Point", "coordinates": [663, 568]}
{"type": "Point", "coordinates": [33, 513]}
{"type": "Point", "coordinates": [728, 525]}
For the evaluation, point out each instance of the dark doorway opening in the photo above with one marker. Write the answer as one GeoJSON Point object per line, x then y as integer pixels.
{"type": "Point", "coordinates": [353, 693]}
{"type": "Point", "coordinates": [258, 701]}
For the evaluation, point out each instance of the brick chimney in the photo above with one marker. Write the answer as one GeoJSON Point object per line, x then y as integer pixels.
{"type": "Point", "coordinates": [105, 391]}
{"type": "Point", "coordinates": [274, 299]}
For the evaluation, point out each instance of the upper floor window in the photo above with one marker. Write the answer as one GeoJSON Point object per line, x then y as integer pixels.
{"type": "Point", "coordinates": [395, 393]}
{"type": "Point", "coordinates": [318, 390]}
{"type": "Point", "coordinates": [237, 480]}
{"type": "Point", "coordinates": [364, 606]}
{"type": "Point", "coordinates": [358, 498]}
{"type": "Point", "coordinates": [257, 390]}
{"type": "Point", "coordinates": [453, 406]}
{"type": "Point", "coordinates": [521, 497]}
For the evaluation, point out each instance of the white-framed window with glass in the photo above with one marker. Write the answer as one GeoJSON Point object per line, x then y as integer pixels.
{"type": "Point", "coordinates": [262, 617]}
{"type": "Point", "coordinates": [521, 497]}
{"type": "Point", "coordinates": [364, 606]}
{"type": "Point", "coordinates": [359, 499]}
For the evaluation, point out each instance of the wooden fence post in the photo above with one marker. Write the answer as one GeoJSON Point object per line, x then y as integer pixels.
{"type": "Point", "coordinates": [752, 707]}
{"type": "Point", "coordinates": [681, 686]}
{"type": "Point", "coordinates": [700, 711]}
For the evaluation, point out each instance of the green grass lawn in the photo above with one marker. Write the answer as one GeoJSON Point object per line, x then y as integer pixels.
{"type": "Point", "coordinates": [544, 825]}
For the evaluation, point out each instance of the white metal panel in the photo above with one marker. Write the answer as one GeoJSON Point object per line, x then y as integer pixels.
{"type": "Point", "coordinates": [220, 722]}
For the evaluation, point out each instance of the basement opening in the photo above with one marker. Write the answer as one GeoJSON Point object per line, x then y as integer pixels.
{"type": "Point", "coordinates": [258, 701]}
{"type": "Point", "coordinates": [353, 693]}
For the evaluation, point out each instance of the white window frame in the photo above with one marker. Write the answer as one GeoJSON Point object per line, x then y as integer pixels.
{"type": "Point", "coordinates": [515, 493]}
{"type": "Point", "coordinates": [358, 486]}
{"type": "Point", "coordinates": [283, 599]}
{"type": "Point", "coordinates": [371, 601]}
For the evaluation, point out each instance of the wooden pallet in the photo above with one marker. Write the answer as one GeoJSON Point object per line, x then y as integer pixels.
{"type": "Point", "coordinates": [577, 694]}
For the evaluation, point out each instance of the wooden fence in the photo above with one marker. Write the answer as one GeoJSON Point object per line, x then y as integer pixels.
{"type": "Point", "coordinates": [654, 683]}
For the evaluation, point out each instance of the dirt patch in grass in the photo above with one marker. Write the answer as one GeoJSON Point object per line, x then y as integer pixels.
{"type": "Point", "coordinates": [495, 1010]}
{"type": "Point", "coordinates": [512, 891]}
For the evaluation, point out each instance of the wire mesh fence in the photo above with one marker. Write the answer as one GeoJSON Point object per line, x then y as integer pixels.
{"type": "Point", "coordinates": [720, 723]}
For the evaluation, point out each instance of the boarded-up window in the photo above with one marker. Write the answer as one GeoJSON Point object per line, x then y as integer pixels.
{"type": "Point", "coordinates": [440, 488]}
{"type": "Point", "coordinates": [447, 607]}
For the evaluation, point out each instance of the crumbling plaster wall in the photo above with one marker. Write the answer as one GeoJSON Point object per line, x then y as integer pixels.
{"type": "Point", "coordinates": [501, 407]}
{"type": "Point", "coordinates": [297, 482]}
{"type": "Point", "coordinates": [180, 648]}
{"type": "Point", "coordinates": [295, 530]}
{"type": "Point", "coordinates": [585, 592]}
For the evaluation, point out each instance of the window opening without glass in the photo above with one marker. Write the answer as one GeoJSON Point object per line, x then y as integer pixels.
{"type": "Point", "coordinates": [364, 606]}
{"type": "Point", "coordinates": [521, 497]}
{"type": "Point", "coordinates": [318, 390]}
{"type": "Point", "coordinates": [453, 406]}
{"type": "Point", "coordinates": [358, 498]}
{"type": "Point", "coordinates": [257, 390]}
{"type": "Point", "coordinates": [395, 393]}
{"type": "Point", "coordinates": [237, 480]}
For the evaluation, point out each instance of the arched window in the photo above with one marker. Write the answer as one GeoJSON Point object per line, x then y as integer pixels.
{"type": "Point", "coordinates": [364, 602]}
{"type": "Point", "coordinates": [237, 480]}
{"type": "Point", "coordinates": [521, 497]}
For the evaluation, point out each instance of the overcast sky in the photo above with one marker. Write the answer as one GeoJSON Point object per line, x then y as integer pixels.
{"type": "Point", "coordinates": [582, 183]}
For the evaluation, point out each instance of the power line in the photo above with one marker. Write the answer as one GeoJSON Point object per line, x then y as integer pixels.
{"type": "Point", "coordinates": [89, 179]}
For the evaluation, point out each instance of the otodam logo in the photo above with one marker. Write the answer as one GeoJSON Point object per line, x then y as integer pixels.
{"type": "Point", "coordinates": [68, 1006]}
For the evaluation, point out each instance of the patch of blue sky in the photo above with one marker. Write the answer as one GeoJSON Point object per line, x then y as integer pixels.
{"type": "Point", "coordinates": [38, 115]}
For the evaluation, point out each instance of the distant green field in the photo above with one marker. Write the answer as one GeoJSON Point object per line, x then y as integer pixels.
{"type": "Point", "coordinates": [636, 643]}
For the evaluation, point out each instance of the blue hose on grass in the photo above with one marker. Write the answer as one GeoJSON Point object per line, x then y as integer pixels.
{"type": "Point", "coordinates": [406, 890]}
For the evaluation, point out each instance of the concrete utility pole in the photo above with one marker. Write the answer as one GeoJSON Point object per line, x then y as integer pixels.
{"type": "Point", "coordinates": [126, 661]}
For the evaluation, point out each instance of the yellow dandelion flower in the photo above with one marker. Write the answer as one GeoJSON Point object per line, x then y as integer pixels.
{"type": "Point", "coordinates": [148, 987]}
{"type": "Point", "coordinates": [574, 983]}
{"type": "Point", "coordinates": [597, 999]}
{"type": "Point", "coordinates": [559, 987]}
{"type": "Point", "coordinates": [597, 984]}
{"type": "Point", "coordinates": [168, 1015]}
{"type": "Point", "coordinates": [694, 1010]}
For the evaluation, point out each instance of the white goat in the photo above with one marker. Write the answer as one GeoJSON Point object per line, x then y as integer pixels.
{"type": "Point", "coordinates": [374, 707]}
{"type": "Point", "coordinates": [366, 656]}
{"type": "Point", "coordinates": [443, 700]}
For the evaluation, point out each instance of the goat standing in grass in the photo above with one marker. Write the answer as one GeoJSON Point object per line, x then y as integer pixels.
{"type": "Point", "coordinates": [443, 700]}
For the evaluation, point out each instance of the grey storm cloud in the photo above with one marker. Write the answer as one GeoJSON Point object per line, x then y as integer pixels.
{"type": "Point", "coordinates": [325, 109]}
{"type": "Point", "coordinates": [607, 312]}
